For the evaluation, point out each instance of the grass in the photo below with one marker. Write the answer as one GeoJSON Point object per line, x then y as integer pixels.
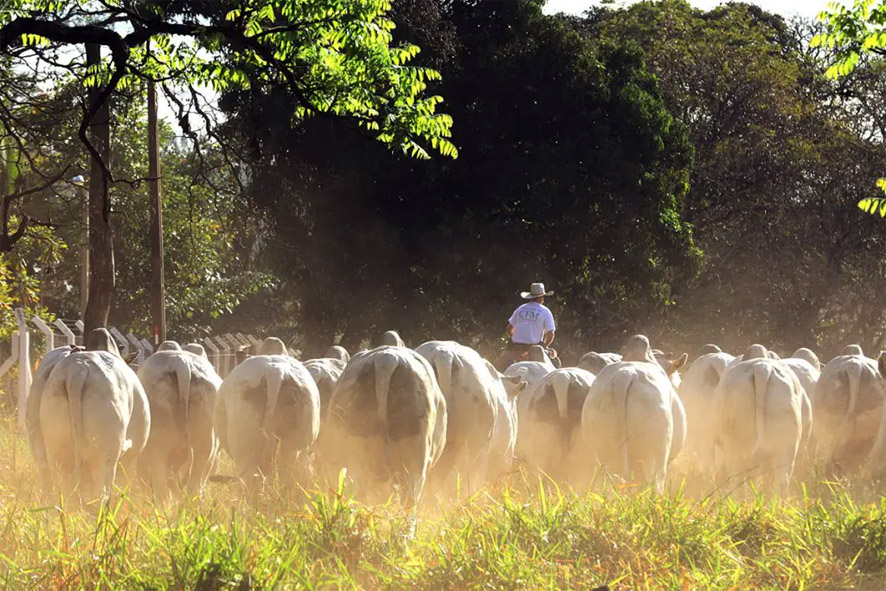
{"type": "Point", "coordinates": [831, 536]}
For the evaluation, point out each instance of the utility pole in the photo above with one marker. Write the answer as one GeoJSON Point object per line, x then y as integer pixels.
{"type": "Point", "coordinates": [80, 182]}
{"type": "Point", "coordinates": [158, 291]}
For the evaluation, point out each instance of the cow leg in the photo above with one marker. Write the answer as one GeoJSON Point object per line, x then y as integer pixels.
{"type": "Point", "coordinates": [104, 474]}
{"type": "Point", "coordinates": [159, 477]}
{"type": "Point", "coordinates": [129, 469]}
{"type": "Point", "coordinates": [203, 451]}
{"type": "Point", "coordinates": [439, 475]}
{"type": "Point", "coordinates": [408, 458]}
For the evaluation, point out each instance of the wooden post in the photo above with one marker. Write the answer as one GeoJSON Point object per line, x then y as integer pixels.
{"type": "Point", "coordinates": [80, 182]}
{"type": "Point", "coordinates": [158, 284]}
{"type": "Point", "coordinates": [24, 367]}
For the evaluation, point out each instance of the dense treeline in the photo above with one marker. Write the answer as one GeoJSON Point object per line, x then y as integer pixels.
{"type": "Point", "coordinates": [684, 173]}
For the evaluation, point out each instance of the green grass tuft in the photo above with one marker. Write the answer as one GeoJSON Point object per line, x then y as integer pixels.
{"type": "Point", "coordinates": [520, 536]}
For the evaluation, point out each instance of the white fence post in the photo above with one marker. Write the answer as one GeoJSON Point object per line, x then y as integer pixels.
{"type": "Point", "coordinates": [79, 325]}
{"type": "Point", "coordinates": [212, 353]}
{"type": "Point", "coordinates": [13, 355]}
{"type": "Point", "coordinates": [256, 344]}
{"type": "Point", "coordinates": [138, 347]}
{"type": "Point", "coordinates": [69, 335]}
{"type": "Point", "coordinates": [47, 333]}
{"type": "Point", "coordinates": [24, 366]}
{"type": "Point", "coordinates": [121, 340]}
{"type": "Point", "coordinates": [225, 359]}
{"type": "Point", "coordinates": [146, 345]}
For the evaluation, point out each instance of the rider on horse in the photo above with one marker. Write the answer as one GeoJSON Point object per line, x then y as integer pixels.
{"type": "Point", "coordinates": [530, 324]}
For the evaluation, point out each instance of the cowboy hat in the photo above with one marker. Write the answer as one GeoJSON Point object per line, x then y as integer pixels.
{"type": "Point", "coordinates": [536, 290]}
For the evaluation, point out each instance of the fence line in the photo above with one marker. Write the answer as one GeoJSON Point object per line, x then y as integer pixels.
{"type": "Point", "coordinates": [224, 351]}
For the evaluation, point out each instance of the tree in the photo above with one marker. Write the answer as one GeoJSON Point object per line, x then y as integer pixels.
{"type": "Point", "coordinates": [333, 58]}
{"type": "Point", "coordinates": [854, 32]}
{"type": "Point", "coordinates": [784, 263]}
{"type": "Point", "coordinates": [209, 234]}
{"type": "Point", "coordinates": [571, 171]}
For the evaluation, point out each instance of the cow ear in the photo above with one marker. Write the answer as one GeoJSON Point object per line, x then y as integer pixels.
{"type": "Point", "coordinates": [518, 387]}
{"type": "Point", "coordinates": [516, 380]}
{"type": "Point", "coordinates": [681, 361]}
{"type": "Point", "coordinates": [882, 364]}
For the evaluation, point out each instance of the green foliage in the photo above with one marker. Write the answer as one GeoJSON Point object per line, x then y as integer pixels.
{"type": "Point", "coordinates": [852, 32]}
{"type": "Point", "coordinates": [875, 205]}
{"type": "Point", "coordinates": [20, 282]}
{"type": "Point", "coordinates": [781, 155]}
{"type": "Point", "coordinates": [39, 247]}
{"type": "Point", "coordinates": [571, 168]}
{"type": "Point", "coordinates": [336, 57]}
{"type": "Point", "coordinates": [206, 231]}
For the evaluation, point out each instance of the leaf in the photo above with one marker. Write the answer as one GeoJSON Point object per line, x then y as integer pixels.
{"type": "Point", "coordinates": [874, 206]}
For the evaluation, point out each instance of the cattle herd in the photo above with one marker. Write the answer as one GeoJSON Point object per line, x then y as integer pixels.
{"type": "Point", "coordinates": [441, 417]}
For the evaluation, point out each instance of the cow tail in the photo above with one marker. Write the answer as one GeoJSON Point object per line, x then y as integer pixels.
{"type": "Point", "coordinates": [560, 386]}
{"type": "Point", "coordinates": [183, 377]}
{"type": "Point", "coordinates": [854, 373]}
{"type": "Point", "coordinates": [620, 386]}
{"type": "Point", "coordinates": [74, 386]}
{"type": "Point", "coordinates": [273, 382]}
{"type": "Point", "coordinates": [761, 381]}
{"type": "Point", "coordinates": [443, 365]}
{"type": "Point", "coordinates": [384, 369]}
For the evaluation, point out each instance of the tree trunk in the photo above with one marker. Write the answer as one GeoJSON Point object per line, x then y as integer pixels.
{"type": "Point", "coordinates": [158, 285]}
{"type": "Point", "coordinates": [101, 246]}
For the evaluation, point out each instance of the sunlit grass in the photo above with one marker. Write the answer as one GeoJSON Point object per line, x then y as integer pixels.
{"type": "Point", "coordinates": [519, 536]}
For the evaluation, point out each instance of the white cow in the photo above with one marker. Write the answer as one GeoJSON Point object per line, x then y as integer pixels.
{"type": "Point", "coordinates": [386, 423]}
{"type": "Point", "coordinates": [551, 432]}
{"type": "Point", "coordinates": [392, 338]}
{"type": "Point", "coordinates": [808, 375]}
{"type": "Point", "coordinates": [338, 352]}
{"type": "Point", "coordinates": [633, 420]}
{"type": "Point", "coordinates": [532, 373]}
{"type": "Point", "coordinates": [32, 411]}
{"type": "Point", "coordinates": [325, 372]}
{"type": "Point", "coordinates": [168, 346]}
{"type": "Point", "coordinates": [848, 405]}
{"type": "Point", "coordinates": [595, 362]}
{"type": "Point", "coordinates": [93, 413]}
{"type": "Point", "coordinates": [196, 349]}
{"type": "Point", "coordinates": [758, 408]}
{"type": "Point", "coordinates": [877, 456]}
{"type": "Point", "coordinates": [267, 414]}
{"type": "Point", "coordinates": [503, 447]}
{"type": "Point", "coordinates": [697, 394]}
{"type": "Point", "coordinates": [809, 356]}
{"type": "Point", "coordinates": [181, 388]}
{"type": "Point", "coordinates": [755, 351]}
{"type": "Point", "coordinates": [477, 405]}
{"type": "Point", "coordinates": [708, 349]}
{"type": "Point", "coordinates": [671, 365]}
